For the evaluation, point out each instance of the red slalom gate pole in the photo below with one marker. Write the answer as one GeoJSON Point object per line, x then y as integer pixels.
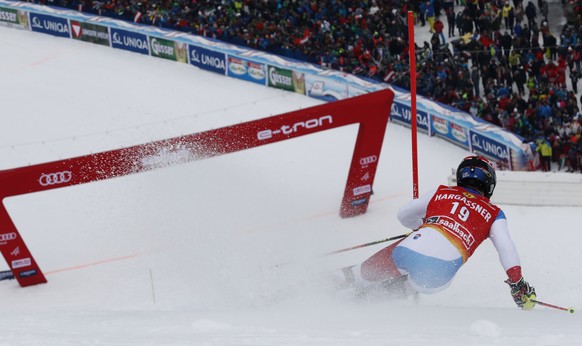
{"type": "Point", "coordinates": [412, 58]}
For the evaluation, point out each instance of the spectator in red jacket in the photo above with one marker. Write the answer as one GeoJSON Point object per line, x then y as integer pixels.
{"type": "Point", "coordinates": [438, 27]}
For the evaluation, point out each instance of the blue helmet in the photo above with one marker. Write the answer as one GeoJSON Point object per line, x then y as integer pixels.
{"type": "Point", "coordinates": [478, 173]}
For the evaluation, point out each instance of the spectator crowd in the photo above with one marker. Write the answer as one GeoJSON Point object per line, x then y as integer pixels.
{"type": "Point", "coordinates": [497, 59]}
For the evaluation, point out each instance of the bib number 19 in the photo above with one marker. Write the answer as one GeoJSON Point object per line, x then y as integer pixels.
{"type": "Point", "coordinates": [463, 212]}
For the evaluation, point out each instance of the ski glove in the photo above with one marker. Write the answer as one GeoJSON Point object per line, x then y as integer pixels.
{"type": "Point", "coordinates": [522, 294]}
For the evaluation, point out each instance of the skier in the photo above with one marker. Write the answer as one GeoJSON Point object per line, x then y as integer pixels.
{"type": "Point", "coordinates": [449, 223]}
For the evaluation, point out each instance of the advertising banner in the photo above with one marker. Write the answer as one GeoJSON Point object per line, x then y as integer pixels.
{"type": "Point", "coordinates": [247, 70]}
{"type": "Point", "coordinates": [51, 25]}
{"type": "Point", "coordinates": [403, 113]}
{"type": "Point", "coordinates": [13, 18]}
{"type": "Point", "coordinates": [286, 79]}
{"type": "Point", "coordinates": [449, 131]}
{"type": "Point", "coordinates": [489, 147]}
{"type": "Point", "coordinates": [168, 49]}
{"type": "Point", "coordinates": [90, 32]}
{"type": "Point", "coordinates": [207, 59]}
{"type": "Point", "coordinates": [325, 88]}
{"type": "Point", "coordinates": [129, 40]}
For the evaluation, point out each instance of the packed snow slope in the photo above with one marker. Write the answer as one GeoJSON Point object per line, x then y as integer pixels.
{"type": "Point", "coordinates": [226, 251]}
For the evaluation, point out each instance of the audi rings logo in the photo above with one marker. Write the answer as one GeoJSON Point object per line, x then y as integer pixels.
{"type": "Point", "coordinates": [6, 237]}
{"type": "Point", "coordinates": [55, 178]}
{"type": "Point", "coordinates": [368, 160]}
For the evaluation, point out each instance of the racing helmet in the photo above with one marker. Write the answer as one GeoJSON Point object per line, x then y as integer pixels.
{"type": "Point", "coordinates": [478, 173]}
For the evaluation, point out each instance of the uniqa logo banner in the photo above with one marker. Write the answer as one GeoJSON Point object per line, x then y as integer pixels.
{"type": "Point", "coordinates": [49, 25]}
{"type": "Point", "coordinates": [207, 59]}
{"type": "Point", "coordinates": [131, 41]}
{"type": "Point", "coordinates": [403, 113]}
{"type": "Point", "coordinates": [489, 147]}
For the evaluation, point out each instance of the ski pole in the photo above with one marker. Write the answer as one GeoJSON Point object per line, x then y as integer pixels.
{"type": "Point", "coordinates": [367, 244]}
{"type": "Point", "coordinates": [570, 310]}
{"type": "Point", "coordinates": [350, 248]}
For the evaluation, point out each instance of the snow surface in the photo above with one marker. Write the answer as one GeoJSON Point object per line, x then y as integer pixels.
{"type": "Point", "coordinates": [226, 251]}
